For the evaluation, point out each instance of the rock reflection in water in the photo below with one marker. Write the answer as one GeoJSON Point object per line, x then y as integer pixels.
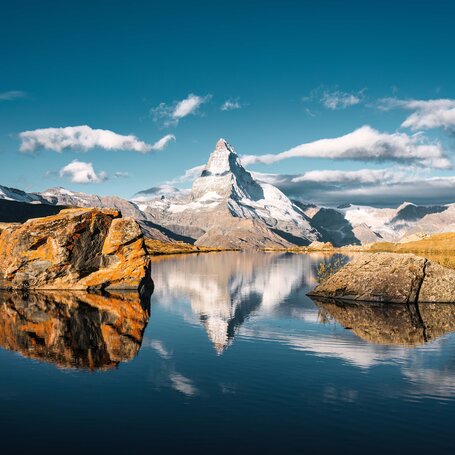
{"type": "Point", "coordinates": [389, 323]}
{"type": "Point", "coordinates": [225, 288]}
{"type": "Point", "coordinates": [73, 329]}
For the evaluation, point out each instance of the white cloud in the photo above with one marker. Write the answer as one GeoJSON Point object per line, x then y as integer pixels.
{"type": "Point", "coordinates": [326, 180]}
{"type": "Point", "coordinates": [188, 176]}
{"type": "Point", "coordinates": [121, 174]}
{"type": "Point", "coordinates": [230, 105]}
{"type": "Point", "coordinates": [12, 95]}
{"type": "Point", "coordinates": [335, 99]}
{"type": "Point", "coordinates": [340, 100]}
{"type": "Point", "coordinates": [364, 176]}
{"type": "Point", "coordinates": [366, 144]}
{"type": "Point", "coordinates": [187, 106]}
{"type": "Point", "coordinates": [382, 187]}
{"type": "Point", "coordinates": [81, 172]}
{"type": "Point", "coordinates": [84, 138]}
{"type": "Point", "coordinates": [169, 115]}
{"type": "Point", "coordinates": [79, 138]}
{"type": "Point", "coordinates": [163, 142]}
{"type": "Point", "coordinates": [437, 113]}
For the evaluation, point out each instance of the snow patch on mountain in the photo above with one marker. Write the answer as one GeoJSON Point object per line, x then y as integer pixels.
{"type": "Point", "coordinates": [13, 194]}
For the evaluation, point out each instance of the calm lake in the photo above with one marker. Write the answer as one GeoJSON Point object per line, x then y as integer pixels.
{"type": "Point", "coordinates": [234, 358]}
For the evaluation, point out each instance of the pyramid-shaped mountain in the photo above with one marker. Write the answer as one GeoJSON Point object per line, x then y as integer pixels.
{"type": "Point", "coordinates": [228, 207]}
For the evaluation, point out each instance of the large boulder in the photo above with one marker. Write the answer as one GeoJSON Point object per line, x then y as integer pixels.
{"type": "Point", "coordinates": [390, 277]}
{"type": "Point", "coordinates": [75, 249]}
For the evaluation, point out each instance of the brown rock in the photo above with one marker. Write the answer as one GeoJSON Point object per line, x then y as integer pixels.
{"type": "Point", "coordinates": [73, 329]}
{"type": "Point", "coordinates": [75, 249]}
{"type": "Point", "coordinates": [391, 324]}
{"type": "Point", "coordinates": [438, 285]}
{"type": "Point", "coordinates": [390, 277]}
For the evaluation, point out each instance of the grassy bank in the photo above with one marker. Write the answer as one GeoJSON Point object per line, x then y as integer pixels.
{"type": "Point", "coordinates": [437, 247]}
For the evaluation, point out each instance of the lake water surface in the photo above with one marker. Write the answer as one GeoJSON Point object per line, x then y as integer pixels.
{"type": "Point", "coordinates": [234, 358]}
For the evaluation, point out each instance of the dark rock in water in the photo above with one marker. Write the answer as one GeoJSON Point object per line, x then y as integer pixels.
{"type": "Point", "coordinates": [75, 249]}
{"type": "Point", "coordinates": [389, 277]}
{"type": "Point", "coordinates": [73, 329]}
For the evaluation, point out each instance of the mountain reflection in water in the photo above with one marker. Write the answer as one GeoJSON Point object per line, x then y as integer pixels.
{"type": "Point", "coordinates": [224, 289]}
{"type": "Point", "coordinates": [73, 329]}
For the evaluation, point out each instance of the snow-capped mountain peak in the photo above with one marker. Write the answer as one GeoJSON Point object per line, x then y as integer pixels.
{"type": "Point", "coordinates": [13, 194]}
{"type": "Point", "coordinates": [224, 177]}
{"type": "Point", "coordinates": [223, 159]}
{"type": "Point", "coordinates": [227, 194]}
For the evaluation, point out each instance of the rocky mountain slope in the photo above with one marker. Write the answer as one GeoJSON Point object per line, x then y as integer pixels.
{"type": "Point", "coordinates": [353, 224]}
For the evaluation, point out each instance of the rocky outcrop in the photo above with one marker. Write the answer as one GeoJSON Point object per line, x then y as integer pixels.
{"type": "Point", "coordinates": [75, 249]}
{"type": "Point", "coordinates": [390, 277]}
{"type": "Point", "coordinates": [391, 324]}
{"type": "Point", "coordinates": [73, 329]}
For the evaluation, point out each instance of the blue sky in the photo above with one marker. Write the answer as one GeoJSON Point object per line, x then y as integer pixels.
{"type": "Point", "coordinates": [295, 71]}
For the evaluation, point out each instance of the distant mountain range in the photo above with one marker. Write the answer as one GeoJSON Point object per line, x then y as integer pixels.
{"type": "Point", "coordinates": [228, 207]}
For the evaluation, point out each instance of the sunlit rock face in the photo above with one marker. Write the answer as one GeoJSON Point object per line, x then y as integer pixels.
{"type": "Point", "coordinates": [75, 249]}
{"type": "Point", "coordinates": [390, 324]}
{"type": "Point", "coordinates": [227, 207]}
{"type": "Point", "coordinates": [73, 329]}
{"type": "Point", "coordinates": [225, 289]}
{"type": "Point", "coordinates": [390, 277]}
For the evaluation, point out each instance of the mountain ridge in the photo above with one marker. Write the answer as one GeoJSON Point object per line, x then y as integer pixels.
{"type": "Point", "coordinates": [227, 207]}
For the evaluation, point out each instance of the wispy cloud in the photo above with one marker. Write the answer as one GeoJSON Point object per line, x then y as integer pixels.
{"type": "Point", "coordinates": [335, 99]}
{"type": "Point", "coordinates": [383, 187]}
{"type": "Point", "coordinates": [84, 138]}
{"type": "Point", "coordinates": [170, 115]}
{"type": "Point", "coordinates": [428, 114]}
{"type": "Point", "coordinates": [293, 183]}
{"type": "Point", "coordinates": [82, 172]}
{"type": "Point", "coordinates": [340, 100]}
{"type": "Point", "coordinates": [162, 143]}
{"type": "Point", "coordinates": [366, 144]}
{"type": "Point", "coordinates": [121, 174]}
{"type": "Point", "coordinates": [12, 95]}
{"type": "Point", "coordinates": [188, 176]}
{"type": "Point", "coordinates": [230, 105]}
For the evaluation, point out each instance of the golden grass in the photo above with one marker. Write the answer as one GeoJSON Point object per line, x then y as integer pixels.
{"type": "Point", "coordinates": [439, 248]}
